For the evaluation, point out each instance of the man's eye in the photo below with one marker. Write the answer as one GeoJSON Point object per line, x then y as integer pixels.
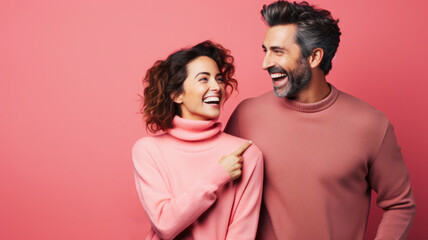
{"type": "Point", "coordinates": [264, 50]}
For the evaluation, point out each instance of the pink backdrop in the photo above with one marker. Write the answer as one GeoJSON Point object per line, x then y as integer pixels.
{"type": "Point", "coordinates": [70, 72]}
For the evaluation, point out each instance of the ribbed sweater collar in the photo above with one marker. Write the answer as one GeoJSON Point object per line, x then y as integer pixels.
{"type": "Point", "coordinates": [316, 106]}
{"type": "Point", "coordinates": [194, 130]}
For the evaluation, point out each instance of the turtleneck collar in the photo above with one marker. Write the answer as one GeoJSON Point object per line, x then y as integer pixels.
{"type": "Point", "coordinates": [194, 130]}
{"type": "Point", "coordinates": [316, 106]}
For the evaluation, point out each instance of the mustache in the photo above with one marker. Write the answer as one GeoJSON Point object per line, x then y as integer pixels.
{"type": "Point", "coordinates": [276, 69]}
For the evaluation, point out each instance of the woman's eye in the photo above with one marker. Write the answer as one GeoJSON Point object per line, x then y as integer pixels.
{"type": "Point", "coordinates": [203, 79]}
{"type": "Point", "coordinates": [219, 80]}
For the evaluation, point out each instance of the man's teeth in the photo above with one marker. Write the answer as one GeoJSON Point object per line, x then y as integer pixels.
{"type": "Point", "coordinates": [278, 75]}
{"type": "Point", "coordinates": [212, 100]}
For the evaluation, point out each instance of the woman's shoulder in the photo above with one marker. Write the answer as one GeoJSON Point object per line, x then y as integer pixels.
{"type": "Point", "coordinates": [148, 143]}
{"type": "Point", "coordinates": [146, 150]}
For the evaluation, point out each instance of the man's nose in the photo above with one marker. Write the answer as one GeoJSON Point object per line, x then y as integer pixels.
{"type": "Point", "coordinates": [267, 62]}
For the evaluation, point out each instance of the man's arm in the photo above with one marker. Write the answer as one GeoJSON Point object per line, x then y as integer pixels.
{"type": "Point", "coordinates": [233, 126]}
{"type": "Point", "coordinates": [388, 177]}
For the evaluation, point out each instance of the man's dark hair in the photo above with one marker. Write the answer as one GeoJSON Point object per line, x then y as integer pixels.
{"type": "Point", "coordinates": [316, 28]}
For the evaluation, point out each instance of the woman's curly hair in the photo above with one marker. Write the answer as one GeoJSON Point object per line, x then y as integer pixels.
{"type": "Point", "coordinates": [164, 81]}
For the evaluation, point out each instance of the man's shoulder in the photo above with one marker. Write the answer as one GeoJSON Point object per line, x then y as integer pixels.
{"type": "Point", "coordinates": [247, 113]}
{"type": "Point", "coordinates": [258, 102]}
{"type": "Point", "coordinates": [236, 141]}
{"type": "Point", "coordinates": [359, 109]}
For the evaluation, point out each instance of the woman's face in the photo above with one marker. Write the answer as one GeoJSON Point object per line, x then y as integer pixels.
{"type": "Point", "coordinates": [203, 90]}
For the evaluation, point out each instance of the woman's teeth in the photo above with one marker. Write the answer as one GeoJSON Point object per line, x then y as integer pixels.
{"type": "Point", "coordinates": [212, 100]}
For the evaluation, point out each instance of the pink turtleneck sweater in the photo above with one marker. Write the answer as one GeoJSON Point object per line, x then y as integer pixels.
{"type": "Point", "coordinates": [187, 194]}
{"type": "Point", "coordinates": [321, 162]}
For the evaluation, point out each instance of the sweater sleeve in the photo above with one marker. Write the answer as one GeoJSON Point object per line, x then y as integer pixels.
{"type": "Point", "coordinates": [171, 214]}
{"type": "Point", "coordinates": [245, 217]}
{"type": "Point", "coordinates": [388, 177]}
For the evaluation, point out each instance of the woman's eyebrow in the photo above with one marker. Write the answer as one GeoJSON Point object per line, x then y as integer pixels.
{"type": "Point", "coordinates": [207, 73]}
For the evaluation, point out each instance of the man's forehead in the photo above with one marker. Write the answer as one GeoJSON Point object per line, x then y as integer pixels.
{"type": "Point", "coordinates": [280, 35]}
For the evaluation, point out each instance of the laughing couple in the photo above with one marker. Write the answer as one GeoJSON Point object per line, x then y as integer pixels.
{"type": "Point", "coordinates": [315, 152]}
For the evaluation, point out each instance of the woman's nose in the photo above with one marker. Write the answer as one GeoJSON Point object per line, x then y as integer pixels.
{"type": "Point", "coordinates": [214, 85]}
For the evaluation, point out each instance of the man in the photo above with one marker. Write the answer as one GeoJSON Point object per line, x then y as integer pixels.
{"type": "Point", "coordinates": [324, 150]}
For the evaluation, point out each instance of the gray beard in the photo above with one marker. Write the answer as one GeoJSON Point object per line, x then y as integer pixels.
{"type": "Point", "coordinates": [297, 79]}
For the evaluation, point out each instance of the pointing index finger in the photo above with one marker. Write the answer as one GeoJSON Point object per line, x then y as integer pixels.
{"type": "Point", "coordinates": [242, 149]}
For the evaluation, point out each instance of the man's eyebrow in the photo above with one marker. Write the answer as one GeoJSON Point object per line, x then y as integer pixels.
{"type": "Point", "coordinates": [273, 48]}
{"type": "Point", "coordinates": [277, 48]}
{"type": "Point", "coordinates": [207, 73]}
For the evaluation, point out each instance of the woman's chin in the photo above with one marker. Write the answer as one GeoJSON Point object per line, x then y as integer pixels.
{"type": "Point", "coordinates": [212, 116]}
{"type": "Point", "coordinates": [203, 114]}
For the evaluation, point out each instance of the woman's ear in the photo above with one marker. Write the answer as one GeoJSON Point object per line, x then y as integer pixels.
{"type": "Point", "coordinates": [316, 57]}
{"type": "Point", "coordinates": [177, 99]}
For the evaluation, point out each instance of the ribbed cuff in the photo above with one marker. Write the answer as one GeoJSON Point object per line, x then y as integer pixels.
{"type": "Point", "coordinates": [218, 177]}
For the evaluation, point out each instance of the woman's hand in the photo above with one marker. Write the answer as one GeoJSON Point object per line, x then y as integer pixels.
{"type": "Point", "coordinates": [233, 162]}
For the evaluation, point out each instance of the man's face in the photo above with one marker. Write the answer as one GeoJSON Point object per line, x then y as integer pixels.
{"type": "Point", "coordinates": [288, 70]}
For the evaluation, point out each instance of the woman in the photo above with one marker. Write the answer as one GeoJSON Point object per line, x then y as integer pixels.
{"type": "Point", "coordinates": [194, 181]}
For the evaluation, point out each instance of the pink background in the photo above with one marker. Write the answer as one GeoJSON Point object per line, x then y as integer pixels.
{"type": "Point", "coordinates": [70, 72]}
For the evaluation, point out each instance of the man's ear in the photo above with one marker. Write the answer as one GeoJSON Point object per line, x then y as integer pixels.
{"type": "Point", "coordinates": [177, 99]}
{"type": "Point", "coordinates": [315, 58]}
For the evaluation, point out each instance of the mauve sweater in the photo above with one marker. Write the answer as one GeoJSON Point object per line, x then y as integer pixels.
{"type": "Point", "coordinates": [321, 162]}
{"type": "Point", "coordinates": [187, 194]}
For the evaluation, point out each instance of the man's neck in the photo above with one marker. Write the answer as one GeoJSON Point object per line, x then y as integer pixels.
{"type": "Point", "coordinates": [316, 90]}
